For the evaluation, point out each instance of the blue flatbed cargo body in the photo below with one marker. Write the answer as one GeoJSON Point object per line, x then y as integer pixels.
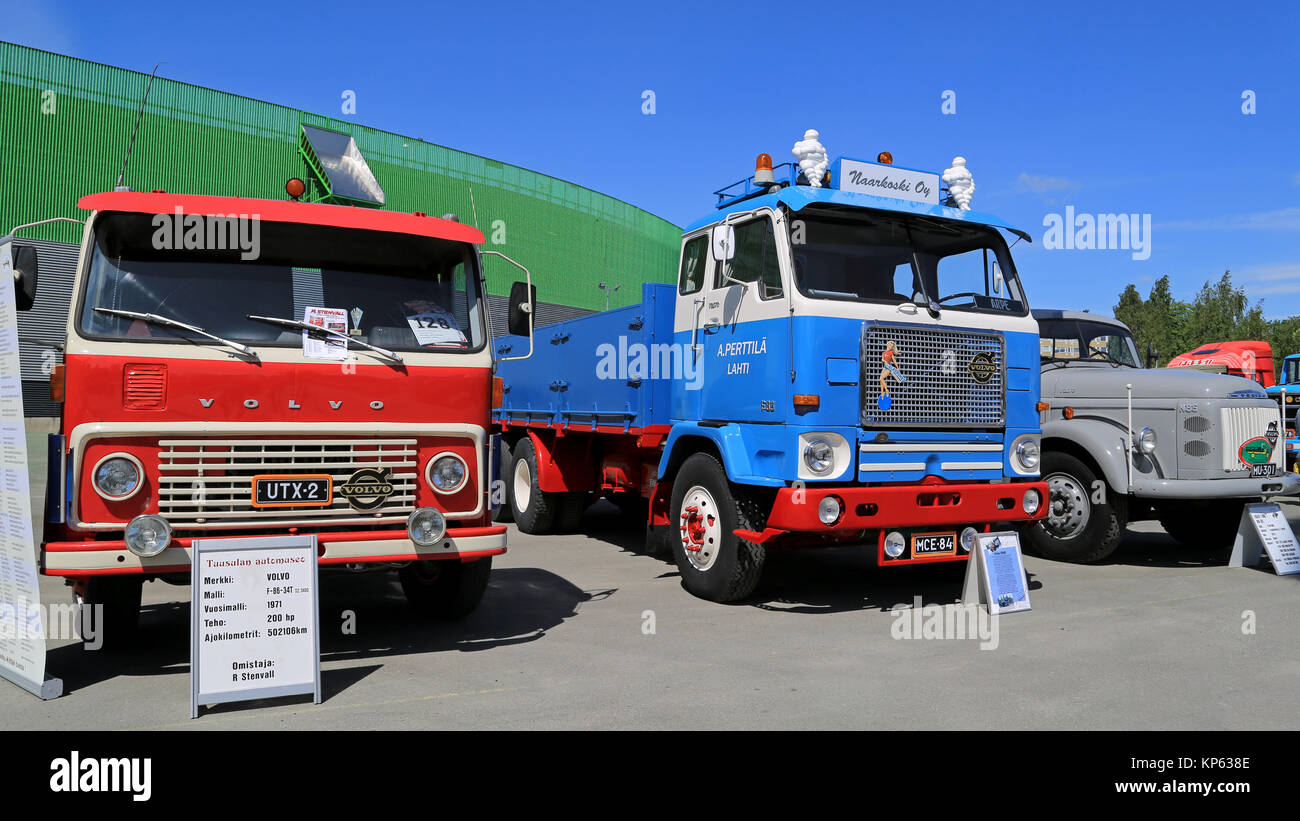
{"type": "Point", "coordinates": [602, 370]}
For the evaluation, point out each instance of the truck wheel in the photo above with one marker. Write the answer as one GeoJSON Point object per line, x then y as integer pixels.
{"type": "Point", "coordinates": [504, 513]}
{"type": "Point", "coordinates": [534, 511]}
{"type": "Point", "coordinates": [1203, 523]}
{"type": "Point", "coordinates": [1076, 529]}
{"type": "Point", "coordinates": [446, 589]}
{"type": "Point", "coordinates": [714, 562]}
{"type": "Point", "coordinates": [108, 608]}
{"type": "Point", "coordinates": [569, 510]}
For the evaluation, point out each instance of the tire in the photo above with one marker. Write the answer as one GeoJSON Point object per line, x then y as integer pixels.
{"type": "Point", "coordinates": [1077, 529]}
{"type": "Point", "coordinates": [1204, 523]}
{"type": "Point", "coordinates": [732, 569]}
{"type": "Point", "coordinates": [533, 510]}
{"type": "Point", "coordinates": [505, 461]}
{"type": "Point", "coordinates": [109, 609]}
{"type": "Point", "coordinates": [445, 589]}
{"type": "Point", "coordinates": [569, 510]}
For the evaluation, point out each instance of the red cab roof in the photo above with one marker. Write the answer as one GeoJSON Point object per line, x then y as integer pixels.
{"type": "Point", "coordinates": [305, 213]}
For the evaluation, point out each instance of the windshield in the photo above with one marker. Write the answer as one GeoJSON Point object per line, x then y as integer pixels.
{"type": "Point", "coordinates": [1290, 371]}
{"type": "Point", "coordinates": [874, 257]}
{"type": "Point", "coordinates": [397, 291]}
{"type": "Point", "coordinates": [1070, 340]}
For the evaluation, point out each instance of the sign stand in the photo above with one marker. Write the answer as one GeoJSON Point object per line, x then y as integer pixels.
{"type": "Point", "coordinates": [22, 633]}
{"type": "Point", "coordinates": [254, 620]}
{"type": "Point", "coordinates": [1264, 527]}
{"type": "Point", "coordinates": [995, 574]}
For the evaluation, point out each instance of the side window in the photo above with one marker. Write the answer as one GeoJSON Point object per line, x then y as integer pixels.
{"type": "Point", "coordinates": [756, 258]}
{"type": "Point", "coordinates": [695, 259]}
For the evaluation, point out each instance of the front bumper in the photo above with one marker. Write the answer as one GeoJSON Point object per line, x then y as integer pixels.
{"type": "Point", "coordinates": [1284, 484]}
{"type": "Point", "coordinates": [899, 506]}
{"type": "Point", "coordinates": [104, 558]}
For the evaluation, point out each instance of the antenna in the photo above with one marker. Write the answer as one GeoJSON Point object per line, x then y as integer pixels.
{"type": "Point", "coordinates": [136, 128]}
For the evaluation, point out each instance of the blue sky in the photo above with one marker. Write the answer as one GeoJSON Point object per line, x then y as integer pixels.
{"type": "Point", "coordinates": [1131, 108]}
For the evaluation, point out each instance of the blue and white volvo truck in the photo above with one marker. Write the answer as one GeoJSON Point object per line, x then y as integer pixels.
{"type": "Point", "coordinates": [845, 359]}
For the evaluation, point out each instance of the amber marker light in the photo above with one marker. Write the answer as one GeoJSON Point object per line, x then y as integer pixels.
{"type": "Point", "coordinates": [885, 158]}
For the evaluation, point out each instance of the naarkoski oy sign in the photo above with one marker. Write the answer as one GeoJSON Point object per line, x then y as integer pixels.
{"type": "Point", "coordinates": [887, 181]}
{"type": "Point", "coordinates": [255, 626]}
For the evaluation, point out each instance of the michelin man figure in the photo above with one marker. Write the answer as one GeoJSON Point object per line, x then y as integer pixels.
{"type": "Point", "coordinates": [811, 155]}
{"type": "Point", "coordinates": [961, 185]}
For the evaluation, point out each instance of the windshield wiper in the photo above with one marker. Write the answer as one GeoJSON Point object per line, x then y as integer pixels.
{"type": "Point", "coordinates": [155, 319]}
{"type": "Point", "coordinates": [306, 326]}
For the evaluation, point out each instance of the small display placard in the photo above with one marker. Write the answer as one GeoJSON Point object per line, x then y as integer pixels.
{"type": "Point", "coordinates": [254, 631]}
{"type": "Point", "coordinates": [1264, 527]}
{"type": "Point", "coordinates": [995, 575]}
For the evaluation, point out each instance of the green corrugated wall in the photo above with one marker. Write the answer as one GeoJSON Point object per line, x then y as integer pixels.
{"type": "Point", "coordinates": [65, 124]}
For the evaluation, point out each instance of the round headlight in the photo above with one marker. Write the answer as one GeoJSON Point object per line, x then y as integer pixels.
{"type": "Point", "coordinates": [1027, 454]}
{"type": "Point", "coordinates": [447, 473]}
{"type": "Point", "coordinates": [829, 510]}
{"type": "Point", "coordinates": [1146, 440]}
{"type": "Point", "coordinates": [819, 456]}
{"type": "Point", "coordinates": [426, 526]}
{"type": "Point", "coordinates": [894, 544]}
{"type": "Point", "coordinates": [147, 535]}
{"type": "Point", "coordinates": [968, 539]}
{"type": "Point", "coordinates": [117, 476]}
{"type": "Point", "coordinates": [1030, 502]}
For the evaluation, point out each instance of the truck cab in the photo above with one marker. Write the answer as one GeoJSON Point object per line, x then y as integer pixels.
{"type": "Point", "coordinates": [1123, 443]}
{"type": "Point", "coordinates": [245, 367]}
{"type": "Point", "coordinates": [860, 369]}
{"type": "Point", "coordinates": [1287, 395]}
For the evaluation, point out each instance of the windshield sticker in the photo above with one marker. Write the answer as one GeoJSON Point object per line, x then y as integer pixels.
{"type": "Point", "coordinates": [325, 347]}
{"type": "Point", "coordinates": [433, 324]}
{"type": "Point", "coordinates": [890, 362]}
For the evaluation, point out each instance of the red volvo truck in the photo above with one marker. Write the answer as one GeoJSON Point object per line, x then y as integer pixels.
{"type": "Point", "coordinates": [245, 367]}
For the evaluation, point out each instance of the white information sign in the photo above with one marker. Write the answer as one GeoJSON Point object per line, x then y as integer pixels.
{"type": "Point", "coordinates": [435, 325]}
{"type": "Point", "coordinates": [888, 181]}
{"type": "Point", "coordinates": [995, 574]}
{"type": "Point", "coordinates": [1264, 527]}
{"type": "Point", "coordinates": [254, 620]}
{"type": "Point", "coordinates": [22, 633]}
{"type": "Point", "coordinates": [325, 347]}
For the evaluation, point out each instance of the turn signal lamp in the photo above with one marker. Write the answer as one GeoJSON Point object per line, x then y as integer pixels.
{"type": "Point", "coordinates": [763, 170]}
{"type": "Point", "coordinates": [295, 188]}
{"type": "Point", "coordinates": [498, 391]}
{"type": "Point", "coordinates": [807, 400]}
{"type": "Point", "coordinates": [885, 158]}
{"type": "Point", "coordinates": [1042, 406]}
{"type": "Point", "coordinates": [1068, 413]}
{"type": "Point", "coordinates": [57, 384]}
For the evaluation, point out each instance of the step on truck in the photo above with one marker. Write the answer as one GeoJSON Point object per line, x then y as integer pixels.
{"type": "Point", "coordinates": [245, 367]}
{"type": "Point", "coordinates": [843, 360]}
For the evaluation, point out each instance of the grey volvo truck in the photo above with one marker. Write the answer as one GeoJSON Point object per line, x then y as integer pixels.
{"type": "Point", "coordinates": [1123, 443]}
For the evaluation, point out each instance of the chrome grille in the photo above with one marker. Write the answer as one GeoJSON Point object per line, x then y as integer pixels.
{"type": "Point", "coordinates": [207, 483]}
{"type": "Point", "coordinates": [941, 390]}
{"type": "Point", "coordinates": [1240, 424]}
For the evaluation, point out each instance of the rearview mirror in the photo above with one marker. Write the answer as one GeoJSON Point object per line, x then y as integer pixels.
{"type": "Point", "coordinates": [19, 263]}
{"type": "Point", "coordinates": [1152, 356]}
{"type": "Point", "coordinates": [724, 242]}
{"type": "Point", "coordinates": [523, 301]}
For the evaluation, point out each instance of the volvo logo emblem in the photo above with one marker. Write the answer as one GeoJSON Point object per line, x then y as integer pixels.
{"type": "Point", "coordinates": [368, 488]}
{"type": "Point", "coordinates": [253, 404]}
{"type": "Point", "coordinates": [982, 367]}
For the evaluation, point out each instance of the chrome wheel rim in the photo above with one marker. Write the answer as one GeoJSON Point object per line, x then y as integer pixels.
{"type": "Point", "coordinates": [1068, 508]}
